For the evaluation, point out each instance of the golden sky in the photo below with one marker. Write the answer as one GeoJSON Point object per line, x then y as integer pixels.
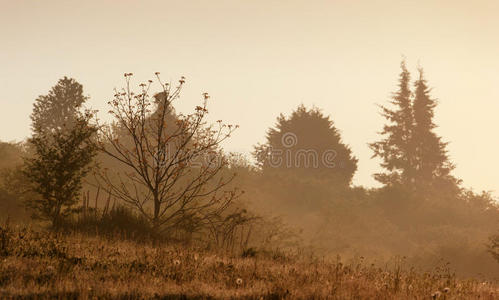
{"type": "Point", "coordinates": [260, 58]}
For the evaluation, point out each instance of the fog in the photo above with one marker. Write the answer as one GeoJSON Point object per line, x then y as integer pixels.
{"type": "Point", "coordinates": [364, 129]}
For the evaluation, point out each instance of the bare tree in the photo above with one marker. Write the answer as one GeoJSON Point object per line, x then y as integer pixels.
{"type": "Point", "coordinates": [174, 170]}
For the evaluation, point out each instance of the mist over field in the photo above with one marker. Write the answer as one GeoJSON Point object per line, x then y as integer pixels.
{"type": "Point", "coordinates": [250, 149]}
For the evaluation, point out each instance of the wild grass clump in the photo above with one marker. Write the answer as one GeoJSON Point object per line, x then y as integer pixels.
{"type": "Point", "coordinates": [45, 265]}
{"type": "Point", "coordinates": [118, 222]}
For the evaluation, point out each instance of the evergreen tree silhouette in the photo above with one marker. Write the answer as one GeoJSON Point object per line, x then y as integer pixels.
{"type": "Point", "coordinates": [397, 149]}
{"type": "Point", "coordinates": [432, 163]}
{"type": "Point", "coordinates": [412, 154]}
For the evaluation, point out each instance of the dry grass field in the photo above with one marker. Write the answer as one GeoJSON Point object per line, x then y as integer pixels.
{"type": "Point", "coordinates": [42, 265]}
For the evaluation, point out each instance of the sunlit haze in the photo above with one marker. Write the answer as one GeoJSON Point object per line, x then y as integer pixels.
{"type": "Point", "coordinates": [258, 59]}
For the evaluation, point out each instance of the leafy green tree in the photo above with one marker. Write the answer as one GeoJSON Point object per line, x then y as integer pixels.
{"type": "Point", "coordinates": [63, 150]}
{"type": "Point", "coordinates": [307, 143]}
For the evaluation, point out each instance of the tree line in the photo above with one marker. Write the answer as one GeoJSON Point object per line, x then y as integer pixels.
{"type": "Point", "coordinates": [171, 170]}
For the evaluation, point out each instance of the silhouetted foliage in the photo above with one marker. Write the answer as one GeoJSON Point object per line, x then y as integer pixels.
{"type": "Point", "coordinates": [411, 152]}
{"type": "Point", "coordinates": [307, 144]}
{"type": "Point", "coordinates": [178, 185]}
{"type": "Point", "coordinates": [59, 108]}
{"type": "Point", "coordinates": [397, 149]}
{"type": "Point", "coordinates": [304, 163]}
{"type": "Point", "coordinates": [432, 162]}
{"type": "Point", "coordinates": [63, 150]}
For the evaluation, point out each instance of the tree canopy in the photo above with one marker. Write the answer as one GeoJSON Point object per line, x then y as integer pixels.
{"type": "Point", "coordinates": [308, 143]}
{"type": "Point", "coordinates": [412, 154]}
{"type": "Point", "coordinates": [59, 108]}
{"type": "Point", "coordinates": [62, 148]}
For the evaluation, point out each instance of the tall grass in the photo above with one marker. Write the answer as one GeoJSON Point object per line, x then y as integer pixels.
{"type": "Point", "coordinates": [119, 221]}
{"type": "Point", "coordinates": [46, 265]}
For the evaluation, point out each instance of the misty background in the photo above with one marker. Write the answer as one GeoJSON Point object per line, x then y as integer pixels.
{"type": "Point", "coordinates": [260, 58]}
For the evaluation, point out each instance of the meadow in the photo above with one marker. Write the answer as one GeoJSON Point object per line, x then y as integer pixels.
{"type": "Point", "coordinates": [48, 265]}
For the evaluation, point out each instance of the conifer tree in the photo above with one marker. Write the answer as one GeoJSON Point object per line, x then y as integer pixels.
{"type": "Point", "coordinates": [412, 154]}
{"type": "Point", "coordinates": [397, 149]}
{"type": "Point", "coordinates": [432, 162]}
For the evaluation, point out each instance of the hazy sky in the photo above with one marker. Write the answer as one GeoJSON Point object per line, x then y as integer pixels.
{"type": "Point", "coordinates": [260, 58]}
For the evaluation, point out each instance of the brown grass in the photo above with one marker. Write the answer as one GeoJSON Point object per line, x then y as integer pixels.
{"type": "Point", "coordinates": [41, 265]}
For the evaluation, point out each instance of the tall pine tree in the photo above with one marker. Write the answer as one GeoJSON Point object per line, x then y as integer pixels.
{"type": "Point", "coordinates": [432, 162]}
{"type": "Point", "coordinates": [412, 154]}
{"type": "Point", "coordinates": [397, 150]}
